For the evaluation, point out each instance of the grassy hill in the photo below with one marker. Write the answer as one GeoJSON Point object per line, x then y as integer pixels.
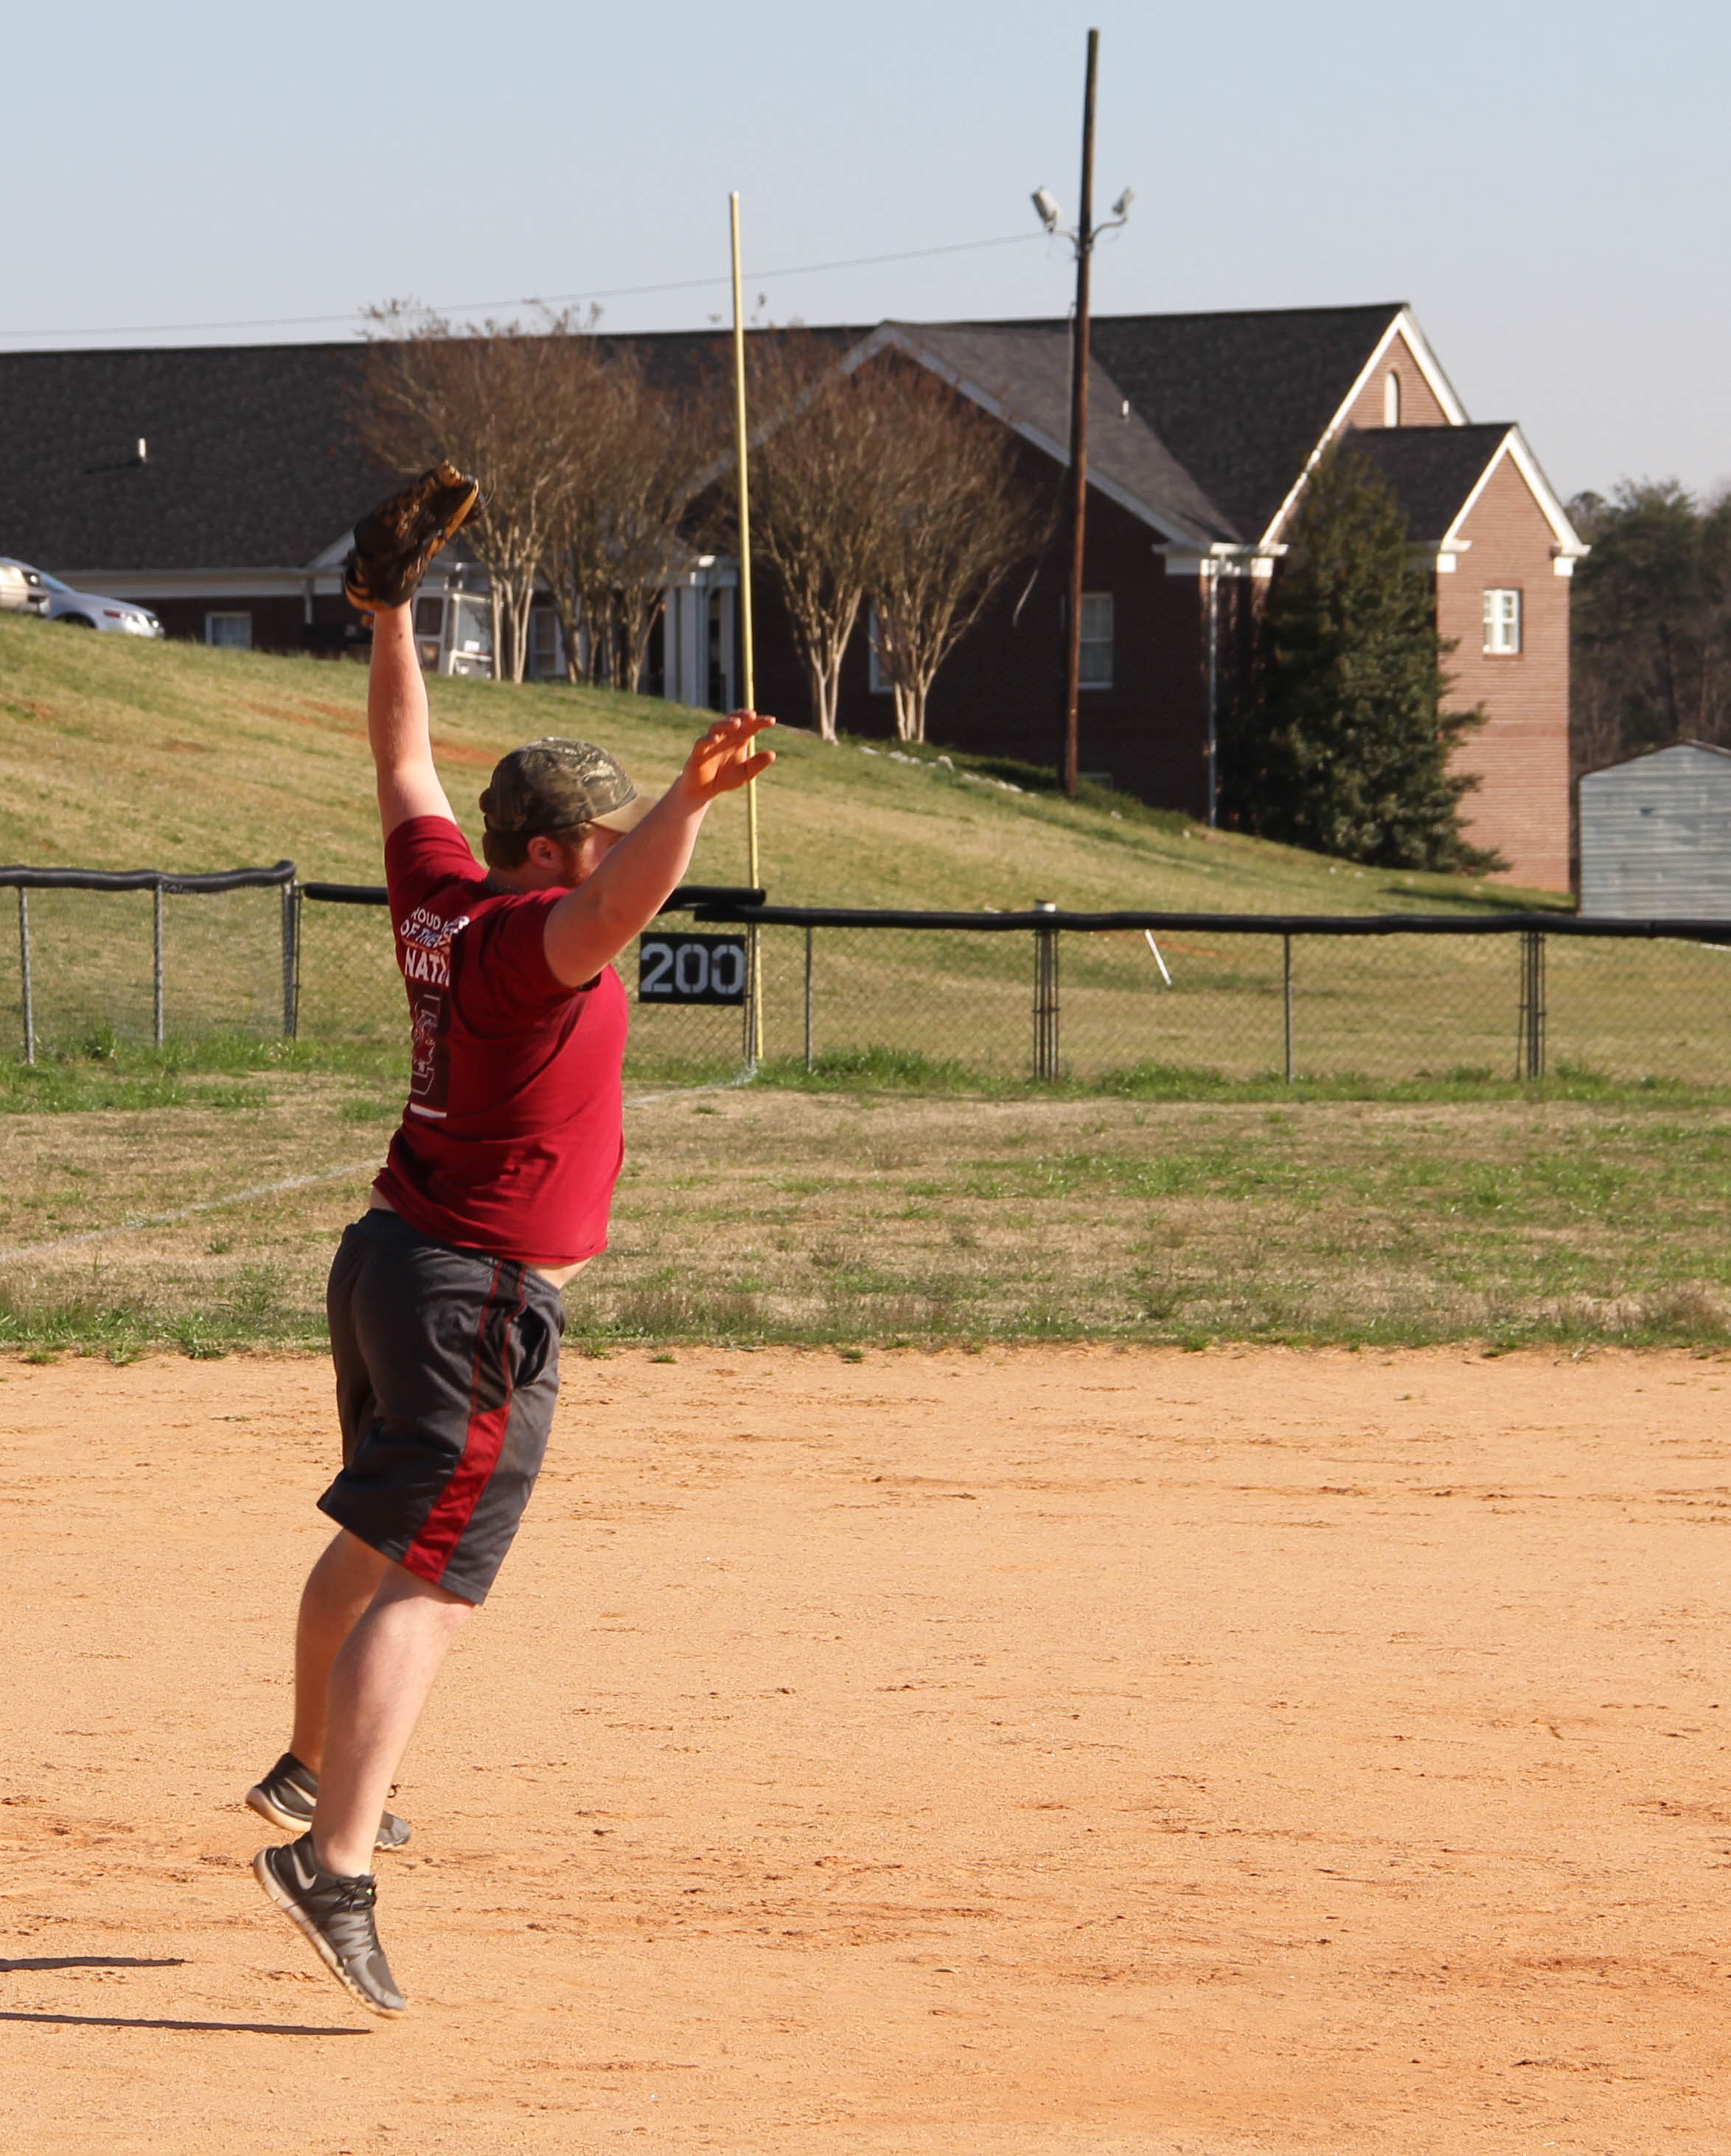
{"type": "Point", "coordinates": [1111, 1206]}
{"type": "Point", "coordinates": [120, 754]}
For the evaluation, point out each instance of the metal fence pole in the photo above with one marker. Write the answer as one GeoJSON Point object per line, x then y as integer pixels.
{"type": "Point", "coordinates": [1046, 1048]}
{"type": "Point", "coordinates": [1529, 1053]}
{"type": "Point", "coordinates": [1539, 1028]}
{"type": "Point", "coordinates": [1286, 984]}
{"type": "Point", "coordinates": [156, 965]}
{"type": "Point", "coordinates": [291, 960]}
{"type": "Point", "coordinates": [24, 974]}
{"type": "Point", "coordinates": [809, 933]}
{"type": "Point", "coordinates": [753, 990]}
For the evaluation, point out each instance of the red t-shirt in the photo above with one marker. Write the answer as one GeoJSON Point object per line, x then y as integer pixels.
{"type": "Point", "coordinates": [513, 1134]}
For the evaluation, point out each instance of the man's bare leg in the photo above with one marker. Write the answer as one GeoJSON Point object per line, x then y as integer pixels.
{"type": "Point", "coordinates": [379, 1683]}
{"type": "Point", "coordinates": [346, 1576]}
{"type": "Point", "coordinates": [338, 1589]}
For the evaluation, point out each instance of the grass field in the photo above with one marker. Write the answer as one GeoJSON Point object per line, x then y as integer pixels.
{"type": "Point", "coordinates": [828, 1210]}
{"type": "Point", "coordinates": [113, 754]}
{"type": "Point", "coordinates": [912, 1187]}
{"type": "Point", "coordinates": [116, 754]}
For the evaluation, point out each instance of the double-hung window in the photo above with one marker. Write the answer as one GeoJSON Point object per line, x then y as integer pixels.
{"type": "Point", "coordinates": [878, 674]}
{"type": "Point", "coordinates": [1503, 621]}
{"type": "Point", "coordinates": [1095, 671]}
{"type": "Point", "coordinates": [546, 659]}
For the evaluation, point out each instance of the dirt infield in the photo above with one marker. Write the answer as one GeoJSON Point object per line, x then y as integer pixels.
{"type": "Point", "coordinates": [1034, 1753]}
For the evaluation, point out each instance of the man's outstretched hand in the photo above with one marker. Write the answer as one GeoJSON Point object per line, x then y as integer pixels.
{"type": "Point", "coordinates": [723, 760]}
{"type": "Point", "coordinates": [596, 919]}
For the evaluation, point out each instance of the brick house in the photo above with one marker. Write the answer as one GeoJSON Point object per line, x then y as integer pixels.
{"type": "Point", "coordinates": [1203, 429]}
{"type": "Point", "coordinates": [232, 523]}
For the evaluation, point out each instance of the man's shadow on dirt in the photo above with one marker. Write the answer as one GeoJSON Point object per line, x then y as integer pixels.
{"type": "Point", "coordinates": [49, 1962]}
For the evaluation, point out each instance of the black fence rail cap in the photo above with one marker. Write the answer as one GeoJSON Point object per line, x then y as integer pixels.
{"type": "Point", "coordinates": [688, 896]}
{"type": "Point", "coordinates": [165, 879]}
{"type": "Point", "coordinates": [1223, 924]}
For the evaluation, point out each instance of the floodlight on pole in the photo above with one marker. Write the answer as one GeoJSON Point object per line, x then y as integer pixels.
{"type": "Point", "coordinates": [1046, 205]}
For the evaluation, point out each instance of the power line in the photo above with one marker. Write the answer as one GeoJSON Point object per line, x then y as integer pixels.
{"type": "Point", "coordinates": [554, 299]}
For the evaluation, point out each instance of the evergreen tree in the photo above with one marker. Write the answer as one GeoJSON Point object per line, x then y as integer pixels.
{"type": "Point", "coordinates": [1344, 745]}
{"type": "Point", "coordinates": [1650, 613]}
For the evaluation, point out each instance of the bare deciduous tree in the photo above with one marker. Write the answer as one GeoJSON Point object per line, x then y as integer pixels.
{"type": "Point", "coordinates": [954, 521]}
{"type": "Point", "coordinates": [497, 405]}
{"type": "Point", "coordinates": [819, 494]}
{"type": "Point", "coordinates": [637, 458]}
{"type": "Point", "coordinates": [661, 451]}
{"type": "Point", "coordinates": [573, 555]}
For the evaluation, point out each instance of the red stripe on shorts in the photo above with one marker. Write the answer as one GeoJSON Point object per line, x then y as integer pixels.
{"type": "Point", "coordinates": [442, 1529]}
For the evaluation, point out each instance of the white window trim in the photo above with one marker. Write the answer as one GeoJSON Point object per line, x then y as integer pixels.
{"type": "Point", "coordinates": [1499, 620]}
{"type": "Point", "coordinates": [211, 620]}
{"type": "Point", "coordinates": [1109, 641]}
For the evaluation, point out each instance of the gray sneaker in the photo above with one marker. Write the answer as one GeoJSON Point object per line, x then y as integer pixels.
{"type": "Point", "coordinates": [287, 1794]}
{"type": "Point", "coordinates": [336, 1914]}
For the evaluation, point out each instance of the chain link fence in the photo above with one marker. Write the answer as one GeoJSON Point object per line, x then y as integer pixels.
{"type": "Point", "coordinates": [102, 957]}
{"type": "Point", "coordinates": [1044, 995]}
{"type": "Point", "coordinates": [347, 988]}
{"type": "Point", "coordinates": [1069, 996]}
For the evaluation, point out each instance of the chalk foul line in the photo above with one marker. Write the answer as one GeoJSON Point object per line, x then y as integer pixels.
{"type": "Point", "coordinates": [748, 1076]}
{"type": "Point", "coordinates": [188, 1212]}
{"type": "Point", "coordinates": [367, 1168]}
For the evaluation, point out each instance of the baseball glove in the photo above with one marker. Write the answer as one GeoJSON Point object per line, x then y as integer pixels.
{"type": "Point", "coordinates": [394, 543]}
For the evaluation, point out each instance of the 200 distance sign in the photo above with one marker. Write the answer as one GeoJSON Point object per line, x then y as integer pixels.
{"type": "Point", "coordinates": [691, 969]}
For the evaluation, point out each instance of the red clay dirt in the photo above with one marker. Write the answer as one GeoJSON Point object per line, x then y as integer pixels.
{"type": "Point", "coordinates": [1041, 1753]}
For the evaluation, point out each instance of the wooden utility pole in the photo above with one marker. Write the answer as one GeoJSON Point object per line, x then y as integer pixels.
{"type": "Point", "coordinates": [1068, 747]}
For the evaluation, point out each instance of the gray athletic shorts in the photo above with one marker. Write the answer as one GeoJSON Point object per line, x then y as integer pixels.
{"type": "Point", "coordinates": [446, 1371]}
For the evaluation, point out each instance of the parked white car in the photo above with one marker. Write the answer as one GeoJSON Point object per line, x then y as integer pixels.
{"type": "Point", "coordinates": [87, 610]}
{"type": "Point", "coordinates": [22, 590]}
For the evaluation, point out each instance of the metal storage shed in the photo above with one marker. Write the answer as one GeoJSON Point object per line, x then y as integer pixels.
{"type": "Point", "coordinates": [1655, 835]}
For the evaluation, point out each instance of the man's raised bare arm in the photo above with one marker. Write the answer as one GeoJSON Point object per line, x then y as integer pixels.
{"type": "Point", "coordinates": [397, 728]}
{"type": "Point", "coordinates": [591, 925]}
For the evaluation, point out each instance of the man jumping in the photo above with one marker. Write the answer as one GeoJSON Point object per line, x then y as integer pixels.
{"type": "Point", "coordinates": [444, 1300]}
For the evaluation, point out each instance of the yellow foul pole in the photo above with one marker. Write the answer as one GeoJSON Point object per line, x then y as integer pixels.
{"type": "Point", "coordinates": [749, 698]}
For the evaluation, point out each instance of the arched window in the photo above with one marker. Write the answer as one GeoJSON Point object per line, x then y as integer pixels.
{"type": "Point", "coordinates": [1391, 400]}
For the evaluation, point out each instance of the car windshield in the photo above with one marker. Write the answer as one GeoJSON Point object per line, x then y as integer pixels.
{"type": "Point", "coordinates": [54, 584]}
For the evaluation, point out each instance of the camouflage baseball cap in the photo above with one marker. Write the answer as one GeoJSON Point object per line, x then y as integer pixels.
{"type": "Point", "coordinates": [558, 785]}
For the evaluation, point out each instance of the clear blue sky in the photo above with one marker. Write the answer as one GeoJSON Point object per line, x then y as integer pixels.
{"type": "Point", "coordinates": [1546, 184]}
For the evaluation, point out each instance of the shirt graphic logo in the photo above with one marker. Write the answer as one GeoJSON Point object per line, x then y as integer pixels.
{"type": "Point", "coordinates": [425, 946]}
{"type": "Point", "coordinates": [424, 1046]}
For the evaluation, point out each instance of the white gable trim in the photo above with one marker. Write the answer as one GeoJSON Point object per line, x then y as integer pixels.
{"type": "Point", "coordinates": [887, 334]}
{"type": "Point", "coordinates": [1452, 537]}
{"type": "Point", "coordinates": [1404, 327]}
{"type": "Point", "coordinates": [1567, 546]}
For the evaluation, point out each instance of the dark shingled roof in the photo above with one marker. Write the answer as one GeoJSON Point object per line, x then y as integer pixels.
{"type": "Point", "coordinates": [1432, 470]}
{"type": "Point", "coordinates": [253, 458]}
{"type": "Point", "coordinates": [1242, 399]}
{"type": "Point", "coordinates": [1026, 372]}
{"type": "Point", "coordinates": [1239, 400]}
{"type": "Point", "coordinates": [253, 463]}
